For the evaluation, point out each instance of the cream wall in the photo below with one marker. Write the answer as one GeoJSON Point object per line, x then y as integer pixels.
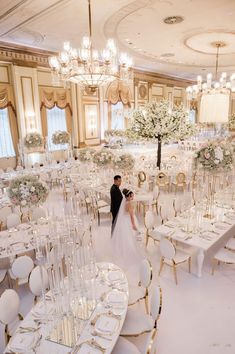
{"type": "Point", "coordinates": [90, 111]}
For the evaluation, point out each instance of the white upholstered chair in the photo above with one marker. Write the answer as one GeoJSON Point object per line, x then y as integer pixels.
{"type": "Point", "coordinates": [9, 312]}
{"type": "Point", "coordinates": [13, 220]}
{"type": "Point", "coordinates": [223, 256]}
{"type": "Point", "coordinates": [38, 213]}
{"type": "Point", "coordinates": [230, 245]}
{"type": "Point", "coordinates": [152, 220]}
{"type": "Point", "coordinates": [4, 212]}
{"type": "Point", "coordinates": [124, 346]}
{"type": "Point", "coordinates": [141, 328]}
{"type": "Point", "coordinates": [141, 291]}
{"type": "Point", "coordinates": [172, 257]}
{"type": "Point", "coordinates": [35, 281]}
{"type": "Point", "coordinates": [20, 269]}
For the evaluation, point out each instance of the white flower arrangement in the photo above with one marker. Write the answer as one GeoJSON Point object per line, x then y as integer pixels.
{"type": "Point", "coordinates": [27, 191]}
{"type": "Point", "coordinates": [114, 133]}
{"type": "Point", "coordinates": [214, 156]}
{"type": "Point", "coordinates": [231, 122]}
{"type": "Point", "coordinates": [103, 157]}
{"type": "Point", "coordinates": [60, 137]}
{"type": "Point", "coordinates": [86, 154]}
{"type": "Point", "coordinates": [33, 140]}
{"type": "Point", "coordinates": [124, 161]}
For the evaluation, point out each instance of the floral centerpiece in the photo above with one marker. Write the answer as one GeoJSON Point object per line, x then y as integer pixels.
{"type": "Point", "coordinates": [33, 140]}
{"type": "Point", "coordinates": [114, 132]}
{"type": "Point", "coordinates": [215, 156]}
{"type": "Point", "coordinates": [86, 154]}
{"type": "Point", "coordinates": [231, 122]}
{"type": "Point", "coordinates": [60, 137]}
{"type": "Point", "coordinates": [124, 161]}
{"type": "Point", "coordinates": [27, 191]}
{"type": "Point", "coordinates": [103, 157]}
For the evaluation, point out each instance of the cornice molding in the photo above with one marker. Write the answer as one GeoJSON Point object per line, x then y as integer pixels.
{"type": "Point", "coordinates": [23, 55]}
{"type": "Point", "coordinates": [152, 77]}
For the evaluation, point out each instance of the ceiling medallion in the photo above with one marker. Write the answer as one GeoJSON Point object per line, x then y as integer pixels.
{"type": "Point", "coordinates": [173, 20]}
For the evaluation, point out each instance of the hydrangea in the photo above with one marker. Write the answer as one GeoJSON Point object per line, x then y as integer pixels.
{"type": "Point", "coordinates": [214, 156]}
{"type": "Point", "coordinates": [60, 137]}
{"type": "Point", "coordinates": [33, 140]}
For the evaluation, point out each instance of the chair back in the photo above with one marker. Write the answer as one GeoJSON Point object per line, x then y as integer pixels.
{"type": "Point", "coordinates": [156, 302]}
{"type": "Point", "coordinates": [38, 213]}
{"type": "Point", "coordinates": [141, 177]}
{"type": "Point", "coordinates": [149, 219]}
{"type": "Point", "coordinates": [146, 273]}
{"type": "Point", "coordinates": [36, 165]}
{"type": "Point", "coordinates": [167, 211]}
{"type": "Point", "coordinates": [178, 205]}
{"type": "Point", "coordinates": [9, 306]}
{"type": "Point", "coordinates": [35, 281]}
{"type": "Point", "coordinates": [162, 179]}
{"type": "Point", "coordinates": [173, 157]}
{"type": "Point", "coordinates": [4, 212]}
{"type": "Point", "coordinates": [181, 178]}
{"type": "Point", "coordinates": [13, 220]}
{"type": "Point", "coordinates": [167, 249]}
{"type": "Point", "coordinates": [22, 267]}
{"type": "Point", "coordinates": [155, 193]}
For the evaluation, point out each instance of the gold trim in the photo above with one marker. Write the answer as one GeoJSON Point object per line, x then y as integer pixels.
{"type": "Point", "coordinates": [8, 76]}
{"type": "Point", "coordinates": [24, 102]}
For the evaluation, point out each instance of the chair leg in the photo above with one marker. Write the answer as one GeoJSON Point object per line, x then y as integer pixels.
{"type": "Point", "coordinates": [189, 265]}
{"type": "Point", "coordinates": [213, 266]}
{"type": "Point", "coordinates": [161, 265]}
{"type": "Point", "coordinates": [175, 274]}
{"type": "Point", "coordinates": [146, 302]}
{"type": "Point", "coordinates": [147, 239]}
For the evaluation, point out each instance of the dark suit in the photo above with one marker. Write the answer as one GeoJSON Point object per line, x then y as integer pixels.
{"type": "Point", "coordinates": [116, 199]}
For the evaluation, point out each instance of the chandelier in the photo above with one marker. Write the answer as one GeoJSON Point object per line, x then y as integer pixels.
{"type": "Point", "coordinates": [89, 67]}
{"type": "Point", "coordinates": [213, 96]}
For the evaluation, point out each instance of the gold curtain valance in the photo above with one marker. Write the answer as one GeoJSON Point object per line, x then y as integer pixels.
{"type": "Point", "coordinates": [55, 97]}
{"type": "Point", "coordinates": [118, 91]}
{"type": "Point", "coordinates": [6, 99]}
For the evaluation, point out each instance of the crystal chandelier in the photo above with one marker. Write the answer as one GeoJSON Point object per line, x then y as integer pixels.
{"type": "Point", "coordinates": [223, 86]}
{"type": "Point", "coordinates": [89, 67]}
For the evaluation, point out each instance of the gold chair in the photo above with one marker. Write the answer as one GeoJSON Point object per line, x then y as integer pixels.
{"type": "Point", "coordinates": [180, 181]}
{"type": "Point", "coordinates": [141, 178]}
{"type": "Point", "coordinates": [162, 180]}
{"type": "Point", "coordinates": [172, 257]}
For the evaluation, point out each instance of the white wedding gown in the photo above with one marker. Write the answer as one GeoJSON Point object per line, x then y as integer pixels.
{"type": "Point", "coordinates": [126, 251]}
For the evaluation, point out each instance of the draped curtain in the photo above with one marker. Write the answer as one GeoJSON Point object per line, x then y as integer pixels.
{"type": "Point", "coordinates": [118, 91]}
{"type": "Point", "coordinates": [59, 98]}
{"type": "Point", "coordinates": [6, 101]}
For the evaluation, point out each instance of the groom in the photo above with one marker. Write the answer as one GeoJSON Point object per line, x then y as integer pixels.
{"type": "Point", "coordinates": [116, 197]}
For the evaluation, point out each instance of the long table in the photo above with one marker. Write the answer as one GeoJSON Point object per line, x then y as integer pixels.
{"type": "Point", "coordinates": [210, 237]}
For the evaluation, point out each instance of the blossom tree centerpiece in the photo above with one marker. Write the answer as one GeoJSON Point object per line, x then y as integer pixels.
{"type": "Point", "coordinates": [157, 122]}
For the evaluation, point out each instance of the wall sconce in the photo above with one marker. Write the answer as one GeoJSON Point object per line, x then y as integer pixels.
{"type": "Point", "coordinates": [92, 122]}
{"type": "Point", "coordinates": [30, 121]}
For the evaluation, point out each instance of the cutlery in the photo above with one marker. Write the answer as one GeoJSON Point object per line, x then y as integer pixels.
{"type": "Point", "coordinates": [96, 334]}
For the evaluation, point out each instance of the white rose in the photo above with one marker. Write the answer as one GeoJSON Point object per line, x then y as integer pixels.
{"type": "Point", "coordinates": [32, 189]}
{"type": "Point", "coordinates": [23, 202]}
{"type": "Point", "coordinates": [217, 162]}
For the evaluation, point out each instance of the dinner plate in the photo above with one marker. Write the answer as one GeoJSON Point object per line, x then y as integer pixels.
{"type": "Point", "coordinates": [23, 342]}
{"type": "Point", "coordinates": [220, 226]}
{"type": "Point", "coordinates": [115, 275]}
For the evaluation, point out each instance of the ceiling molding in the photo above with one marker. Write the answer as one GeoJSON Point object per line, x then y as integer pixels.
{"type": "Point", "coordinates": [161, 78]}
{"type": "Point", "coordinates": [12, 9]}
{"type": "Point", "coordinates": [31, 18]}
{"type": "Point", "coordinates": [23, 55]}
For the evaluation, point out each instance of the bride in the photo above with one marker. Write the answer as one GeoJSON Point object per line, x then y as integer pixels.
{"type": "Point", "coordinates": [124, 243]}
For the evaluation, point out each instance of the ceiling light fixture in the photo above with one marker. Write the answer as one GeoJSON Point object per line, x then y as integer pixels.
{"type": "Point", "coordinates": [87, 66]}
{"type": "Point", "coordinates": [214, 95]}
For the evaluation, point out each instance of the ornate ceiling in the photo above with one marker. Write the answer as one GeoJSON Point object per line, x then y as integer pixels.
{"type": "Point", "coordinates": [182, 49]}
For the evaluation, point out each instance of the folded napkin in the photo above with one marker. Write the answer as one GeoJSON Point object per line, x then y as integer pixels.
{"type": "Point", "coordinates": [23, 342]}
{"type": "Point", "coordinates": [106, 324]}
{"type": "Point", "coordinates": [116, 298]}
{"type": "Point", "coordinates": [88, 349]}
{"type": "Point", "coordinates": [23, 227]}
{"type": "Point", "coordinates": [221, 226]}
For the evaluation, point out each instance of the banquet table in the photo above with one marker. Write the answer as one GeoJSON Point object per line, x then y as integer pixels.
{"type": "Point", "coordinates": [98, 333]}
{"type": "Point", "coordinates": [209, 237]}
